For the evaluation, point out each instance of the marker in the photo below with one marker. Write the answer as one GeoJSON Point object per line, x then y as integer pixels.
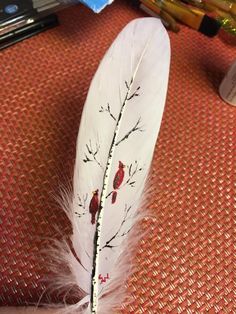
{"type": "Point", "coordinates": [169, 22]}
{"type": "Point", "coordinates": [227, 6]}
{"type": "Point", "coordinates": [195, 19]}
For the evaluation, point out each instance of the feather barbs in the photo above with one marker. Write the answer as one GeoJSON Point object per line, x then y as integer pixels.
{"type": "Point", "coordinates": [116, 141]}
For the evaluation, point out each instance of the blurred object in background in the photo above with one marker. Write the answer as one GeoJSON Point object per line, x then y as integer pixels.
{"type": "Point", "coordinates": [221, 10]}
{"type": "Point", "coordinates": [20, 19]}
{"type": "Point", "coordinates": [227, 88]}
{"type": "Point", "coordinates": [206, 17]}
{"type": "Point", "coordinates": [17, 13]}
{"type": "Point", "coordinates": [95, 5]}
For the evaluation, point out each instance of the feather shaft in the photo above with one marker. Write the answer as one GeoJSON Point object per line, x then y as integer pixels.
{"type": "Point", "coordinates": [95, 273]}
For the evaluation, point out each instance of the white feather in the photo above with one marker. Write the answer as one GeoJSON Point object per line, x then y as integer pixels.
{"type": "Point", "coordinates": [120, 123]}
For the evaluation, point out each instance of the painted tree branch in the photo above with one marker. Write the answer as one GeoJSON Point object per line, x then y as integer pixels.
{"type": "Point", "coordinates": [109, 194]}
{"type": "Point", "coordinates": [135, 128]}
{"type": "Point", "coordinates": [135, 94]}
{"type": "Point", "coordinates": [82, 204]}
{"type": "Point", "coordinates": [82, 201]}
{"type": "Point", "coordinates": [91, 154]}
{"type": "Point", "coordinates": [117, 234]}
{"type": "Point", "coordinates": [133, 170]}
{"type": "Point", "coordinates": [107, 109]}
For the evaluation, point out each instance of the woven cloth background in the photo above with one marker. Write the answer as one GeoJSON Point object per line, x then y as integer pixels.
{"type": "Point", "coordinates": [185, 263]}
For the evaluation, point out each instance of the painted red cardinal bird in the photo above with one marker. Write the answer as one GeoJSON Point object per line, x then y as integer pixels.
{"type": "Point", "coordinates": [118, 179]}
{"type": "Point", "coordinates": [93, 206]}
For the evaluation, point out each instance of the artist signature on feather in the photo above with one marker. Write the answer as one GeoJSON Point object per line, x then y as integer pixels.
{"type": "Point", "coordinates": [103, 279]}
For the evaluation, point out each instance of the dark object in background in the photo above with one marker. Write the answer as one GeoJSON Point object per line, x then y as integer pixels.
{"type": "Point", "coordinates": [15, 9]}
{"type": "Point", "coordinates": [28, 30]}
{"type": "Point", "coordinates": [209, 26]}
{"type": "Point", "coordinates": [20, 19]}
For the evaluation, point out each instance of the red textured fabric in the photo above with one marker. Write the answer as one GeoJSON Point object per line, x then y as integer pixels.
{"type": "Point", "coordinates": [185, 264]}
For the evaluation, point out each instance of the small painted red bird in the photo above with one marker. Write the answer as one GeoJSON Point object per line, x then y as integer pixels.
{"type": "Point", "coordinates": [93, 206]}
{"type": "Point", "coordinates": [118, 179]}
